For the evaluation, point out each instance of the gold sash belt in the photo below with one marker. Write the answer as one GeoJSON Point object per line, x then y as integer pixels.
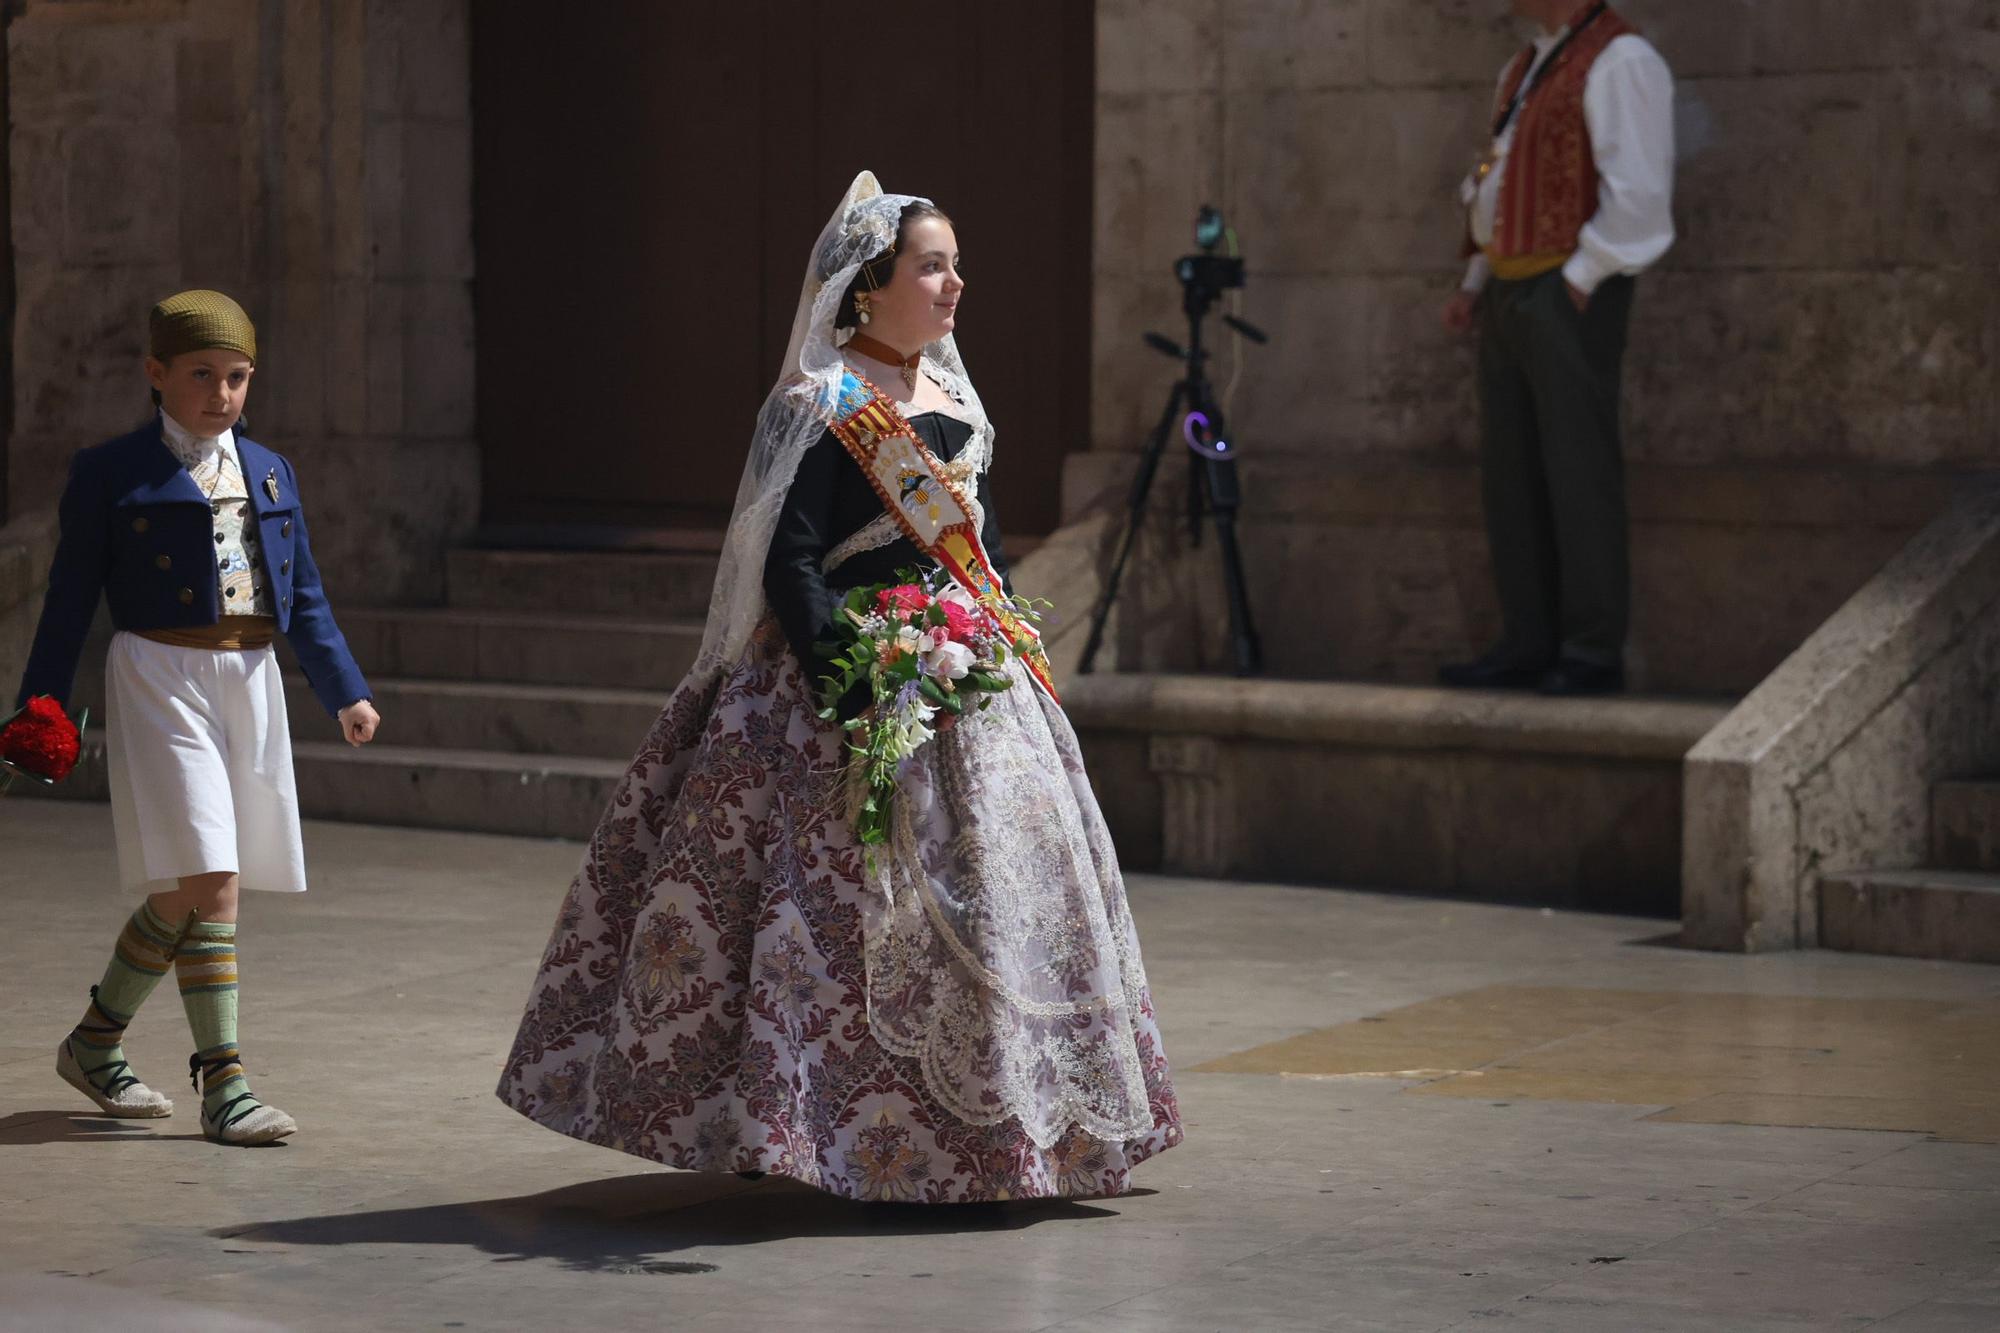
{"type": "Point", "coordinates": [230, 632]}
{"type": "Point", "coordinates": [1519, 268]}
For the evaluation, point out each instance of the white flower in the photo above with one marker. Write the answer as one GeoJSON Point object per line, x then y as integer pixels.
{"type": "Point", "coordinates": [908, 730]}
{"type": "Point", "coordinates": [958, 596]}
{"type": "Point", "coordinates": [949, 661]}
{"type": "Point", "coordinates": [907, 638]}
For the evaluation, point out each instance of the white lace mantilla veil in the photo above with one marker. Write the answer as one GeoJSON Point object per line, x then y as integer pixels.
{"type": "Point", "coordinates": [1000, 952]}
{"type": "Point", "coordinates": [801, 407]}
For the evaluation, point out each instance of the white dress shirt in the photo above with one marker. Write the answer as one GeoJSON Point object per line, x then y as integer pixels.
{"type": "Point", "coordinates": [1628, 105]}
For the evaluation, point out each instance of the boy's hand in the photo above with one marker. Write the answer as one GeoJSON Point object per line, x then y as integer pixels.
{"type": "Point", "coordinates": [358, 722]}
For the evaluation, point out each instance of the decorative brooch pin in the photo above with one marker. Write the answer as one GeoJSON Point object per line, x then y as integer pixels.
{"type": "Point", "coordinates": [271, 485]}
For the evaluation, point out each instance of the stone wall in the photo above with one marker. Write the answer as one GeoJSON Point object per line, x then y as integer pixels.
{"type": "Point", "coordinates": [312, 158]}
{"type": "Point", "coordinates": [1823, 332]}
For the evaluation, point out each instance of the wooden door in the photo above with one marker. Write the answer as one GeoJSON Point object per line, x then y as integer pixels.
{"type": "Point", "coordinates": [648, 181]}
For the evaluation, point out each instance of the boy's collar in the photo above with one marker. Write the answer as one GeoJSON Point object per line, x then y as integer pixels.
{"type": "Point", "coordinates": [186, 443]}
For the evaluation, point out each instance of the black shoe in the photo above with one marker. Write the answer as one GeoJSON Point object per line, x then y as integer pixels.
{"type": "Point", "coordinates": [1570, 679]}
{"type": "Point", "coordinates": [1494, 671]}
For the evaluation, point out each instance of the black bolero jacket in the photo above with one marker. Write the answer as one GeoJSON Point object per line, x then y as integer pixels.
{"type": "Point", "coordinates": [830, 500]}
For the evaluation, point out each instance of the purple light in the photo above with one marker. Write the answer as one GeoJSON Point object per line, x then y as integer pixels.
{"type": "Point", "coordinates": [1194, 428]}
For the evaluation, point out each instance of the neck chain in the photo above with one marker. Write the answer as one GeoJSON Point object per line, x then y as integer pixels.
{"type": "Point", "coordinates": [1532, 77]}
{"type": "Point", "coordinates": [877, 350]}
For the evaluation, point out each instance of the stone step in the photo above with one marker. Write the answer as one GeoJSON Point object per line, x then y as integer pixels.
{"type": "Point", "coordinates": [1950, 915]}
{"type": "Point", "coordinates": [442, 643]}
{"type": "Point", "coordinates": [1568, 802]}
{"type": "Point", "coordinates": [1965, 824]}
{"type": "Point", "coordinates": [651, 586]}
{"type": "Point", "coordinates": [540, 796]}
{"type": "Point", "coordinates": [479, 791]}
{"type": "Point", "coordinates": [486, 715]}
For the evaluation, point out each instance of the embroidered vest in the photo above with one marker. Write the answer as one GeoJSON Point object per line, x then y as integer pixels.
{"type": "Point", "coordinates": [1549, 186]}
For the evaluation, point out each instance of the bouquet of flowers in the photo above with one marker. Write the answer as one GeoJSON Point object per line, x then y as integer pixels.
{"type": "Point", "coordinates": [41, 742]}
{"type": "Point", "coordinates": [923, 646]}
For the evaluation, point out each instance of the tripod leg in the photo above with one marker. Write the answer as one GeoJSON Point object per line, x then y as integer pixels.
{"type": "Point", "coordinates": [1135, 514]}
{"type": "Point", "coordinates": [1248, 652]}
{"type": "Point", "coordinates": [1197, 498]}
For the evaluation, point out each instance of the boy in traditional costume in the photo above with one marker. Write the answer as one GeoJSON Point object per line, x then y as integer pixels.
{"type": "Point", "coordinates": [197, 539]}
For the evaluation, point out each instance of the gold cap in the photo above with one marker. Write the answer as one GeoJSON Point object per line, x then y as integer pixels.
{"type": "Point", "coordinates": [193, 321]}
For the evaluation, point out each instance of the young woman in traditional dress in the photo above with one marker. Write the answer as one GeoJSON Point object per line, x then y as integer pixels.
{"type": "Point", "coordinates": [734, 984]}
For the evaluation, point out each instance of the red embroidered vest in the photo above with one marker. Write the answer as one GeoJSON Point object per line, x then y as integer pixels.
{"type": "Point", "coordinates": [1549, 186]}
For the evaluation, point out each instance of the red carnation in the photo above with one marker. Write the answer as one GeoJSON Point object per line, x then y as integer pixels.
{"type": "Point", "coordinates": [961, 625]}
{"type": "Point", "coordinates": [905, 598]}
{"type": "Point", "coordinates": [41, 740]}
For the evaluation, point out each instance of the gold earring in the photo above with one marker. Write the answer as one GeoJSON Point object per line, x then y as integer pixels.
{"type": "Point", "coordinates": [862, 302]}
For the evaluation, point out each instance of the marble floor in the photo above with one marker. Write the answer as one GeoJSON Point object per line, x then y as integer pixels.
{"type": "Point", "coordinates": [1402, 1114]}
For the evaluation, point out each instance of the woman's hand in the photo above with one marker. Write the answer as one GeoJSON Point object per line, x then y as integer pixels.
{"type": "Point", "coordinates": [358, 722]}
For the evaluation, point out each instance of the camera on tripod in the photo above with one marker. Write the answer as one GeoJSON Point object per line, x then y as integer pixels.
{"type": "Point", "coordinates": [1206, 276]}
{"type": "Point", "coordinates": [1213, 490]}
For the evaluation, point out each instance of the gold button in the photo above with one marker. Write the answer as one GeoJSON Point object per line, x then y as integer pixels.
{"type": "Point", "coordinates": [163, 562]}
{"type": "Point", "coordinates": [140, 524]}
{"type": "Point", "coordinates": [187, 596]}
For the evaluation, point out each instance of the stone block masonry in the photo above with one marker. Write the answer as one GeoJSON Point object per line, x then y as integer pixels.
{"type": "Point", "coordinates": [312, 159]}
{"type": "Point", "coordinates": [1823, 330]}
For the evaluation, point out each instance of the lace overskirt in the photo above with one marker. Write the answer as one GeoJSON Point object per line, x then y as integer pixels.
{"type": "Point", "coordinates": [731, 985]}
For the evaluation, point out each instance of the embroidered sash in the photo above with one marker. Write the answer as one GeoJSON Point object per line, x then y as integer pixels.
{"type": "Point", "coordinates": [930, 509]}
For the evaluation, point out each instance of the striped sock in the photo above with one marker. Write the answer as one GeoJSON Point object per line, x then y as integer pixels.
{"type": "Point", "coordinates": [206, 967]}
{"type": "Point", "coordinates": [144, 952]}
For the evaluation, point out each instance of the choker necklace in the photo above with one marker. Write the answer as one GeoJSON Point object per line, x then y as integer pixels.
{"type": "Point", "coordinates": [877, 350]}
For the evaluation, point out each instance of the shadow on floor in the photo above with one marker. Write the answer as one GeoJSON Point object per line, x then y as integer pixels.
{"type": "Point", "coordinates": [623, 1224]}
{"type": "Point", "coordinates": [25, 1128]}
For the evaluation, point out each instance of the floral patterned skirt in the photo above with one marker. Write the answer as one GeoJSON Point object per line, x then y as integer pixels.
{"type": "Point", "coordinates": [703, 1000]}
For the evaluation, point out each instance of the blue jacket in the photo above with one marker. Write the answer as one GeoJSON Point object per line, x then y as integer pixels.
{"type": "Point", "coordinates": [137, 529]}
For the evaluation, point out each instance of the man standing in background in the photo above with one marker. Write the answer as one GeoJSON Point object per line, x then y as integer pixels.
{"type": "Point", "coordinates": [1571, 200]}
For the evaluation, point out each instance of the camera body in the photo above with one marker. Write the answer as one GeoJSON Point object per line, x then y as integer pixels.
{"type": "Point", "coordinates": [1208, 276]}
